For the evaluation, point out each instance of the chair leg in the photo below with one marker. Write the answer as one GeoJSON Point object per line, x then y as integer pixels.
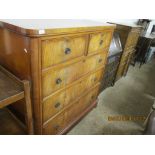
{"type": "Point", "coordinates": [28, 107]}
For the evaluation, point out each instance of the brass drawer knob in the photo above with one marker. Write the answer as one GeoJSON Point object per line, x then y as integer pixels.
{"type": "Point", "coordinates": [67, 51]}
{"type": "Point", "coordinates": [101, 42]}
{"type": "Point", "coordinates": [57, 105]}
{"type": "Point", "coordinates": [58, 81]}
{"type": "Point", "coordinates": [100, 60]}
{"type": "Point", "coordinates": [95, 79]}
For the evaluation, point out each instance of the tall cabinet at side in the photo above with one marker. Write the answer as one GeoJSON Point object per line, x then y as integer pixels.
{"type": "Point", "coordinates": [129, 34]}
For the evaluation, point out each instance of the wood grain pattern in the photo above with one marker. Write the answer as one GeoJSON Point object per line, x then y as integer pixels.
{"type": "Point", "coordinates": [99, 41]}
{"type": "Point", "coordinates": [59, 100]}
{"type": "Point", "coordinates": [132, 39]}
{"type": "Point", "coordinates": [59, 50]}
{"type": "Point", "coordinates": [55, 79]}
{"type": "Point", "coordinates": [36, 83]}
{"type": "Point", "coordinates": [129, 36]}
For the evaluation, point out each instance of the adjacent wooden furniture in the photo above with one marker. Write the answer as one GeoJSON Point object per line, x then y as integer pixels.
{"type": "Point", "coordinates": [112, 64]}
{"type": "Point", "coordinates": [9, 125]}
{"type": "Point", "coordinates": [143, 48]}
{"type": "Point", "coordinates": [144, 23]}
{"type": "Point", "coordinates": [12, 90]}
{"type": "Point", "coordinates": [111, 71]}
{"type": "Point", "coordinates": [64, 60]}
{"type": "Point", "coordinates": [129, 35]}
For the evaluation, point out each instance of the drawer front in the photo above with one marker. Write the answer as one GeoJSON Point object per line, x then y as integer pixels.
{"type": "Point", "coordinates": [54, 126]}
{"type": "Point", "coordinates": [99, 41]}
{"type": "Point", "coordinates": [95, 62]}
{"type": "Point", "coordinates": [78, 107]}
{"type": "Point", "coordinates": [59, 100]}
{"type": "Point", "coordinates": [59, 50]}
{"type": "Point", "coordinates": [55, 79]}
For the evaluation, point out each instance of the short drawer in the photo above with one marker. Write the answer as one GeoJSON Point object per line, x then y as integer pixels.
{"type": "Point", "coordinates": [99, 41]}
{"type": "Point", "coordinates": [57, 101]}
{"type": "Point", "coordinates": [55, 79]}
{"type": "Point", "coordinates": [59, 50]}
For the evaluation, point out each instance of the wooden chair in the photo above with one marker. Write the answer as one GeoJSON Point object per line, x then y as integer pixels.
{"type": "Point", "coordinates": [11, 90]}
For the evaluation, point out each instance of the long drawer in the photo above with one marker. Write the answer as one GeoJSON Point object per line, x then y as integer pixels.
{"type": "Point", "coordinates": [58, 50]}
{"type": "Point", "coordinates": [55, 125]}
{"type": "Point", "coordinates": [55, 79]}
{"type": "Point", "coordinates": [57, 101]}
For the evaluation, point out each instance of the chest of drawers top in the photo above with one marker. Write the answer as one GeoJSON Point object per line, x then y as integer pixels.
{"type": "Point", "coordinates": [42, 27]}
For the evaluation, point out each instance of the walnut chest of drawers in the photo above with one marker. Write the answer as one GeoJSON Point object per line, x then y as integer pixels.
{"type": "Point", "coordinates": [129, 35]}
{"type": "Point", "coordinates": [64, 60]}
